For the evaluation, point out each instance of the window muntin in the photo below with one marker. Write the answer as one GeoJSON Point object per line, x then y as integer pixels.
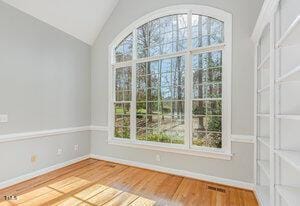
{"type": "Point", "coordinates": [164, 35]}
{"type": "Point", "coordinates": [123, 89]}
{"type": "Point", "coordinates": [202, 115]}
{"type": "Point", "coordinates": [123, 52]}
{"type": "Point", "coordinates": [123, 84]}
{"type": "Point", "coordinates": [122, 120]}
{"type": "Point", "coordinates": [206, 31]}
{"type": "Point", "coordinates": [207, 99]}
{"type": "Point", "coordinates": [160, 100]}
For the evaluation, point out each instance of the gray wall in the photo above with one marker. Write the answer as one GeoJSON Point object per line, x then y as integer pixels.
{"type": "Point", "coordinates": [244, 13]}
{"type": "Point", "coordinates": [15, 157]}
{"type": "Point", "coordinates": [44, 84]}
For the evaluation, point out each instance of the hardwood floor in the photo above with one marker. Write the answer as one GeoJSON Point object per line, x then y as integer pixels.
{"type": "Point", "coordinates": [94, 182]}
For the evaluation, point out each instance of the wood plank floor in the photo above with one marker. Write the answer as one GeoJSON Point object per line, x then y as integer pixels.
{"type": "Point", "coordinates": [94, 182]}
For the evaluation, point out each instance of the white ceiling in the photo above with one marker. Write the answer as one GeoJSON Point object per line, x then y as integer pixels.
{"type": "Point", "coordinates": [82, 19]}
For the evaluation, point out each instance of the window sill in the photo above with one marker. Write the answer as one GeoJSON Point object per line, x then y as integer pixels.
{"type": "Point", "coordinates": [174, 149]}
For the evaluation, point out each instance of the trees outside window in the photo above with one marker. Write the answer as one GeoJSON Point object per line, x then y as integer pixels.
{"type": "Point", "coordinates": [169, 82]}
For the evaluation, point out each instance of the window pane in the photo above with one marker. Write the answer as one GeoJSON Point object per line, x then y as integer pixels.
{"type": "Point", "coordinates": [126, 132]}
{"type": "Point", "coordinates": [119, 109]}
{"type": "Point", "coordinates": [214, 140]}
{"type": "Point", "coordinates": [152, 108]}
{"type": "Point", "coordinates": [199, 107]}
{"type": "Point", "coordinates": [141, 121]}
{"type": "Point", "coordinates": [123, 52]}
{"type": "Point", "coordinates": [214, 107]}
{"type": "Point", "coordinates": [126, 121]}
{"type": "Point", "coordinates": [166, 107]}
{"type": "Point", "coordinates": [119, 95]}
{"type": "Point", "coordinates": [141, 133]}
{"type": "Point", "coordinates": [206, 31]}
{"type": "Point", "coordinates": [153, 121]}
{"type": "Point", "coordinates": [122, 108]}
{"type": "Point", "coordinates": [199, 124]}
{"type": "Point", "coordinates": [205, 61]}
{"type": "Point", "coordinates": [118, 121]}
{"type": "Point", "coordinates": [207, 99]}
{"type": "Point", "coordinates": [199, 91]}
{"type": "Point", "coordinates": [198, 138]}
{"type": "Point", "coordinates": [127, 95]}
{"type": "Point", "coordinates": [214, 90]}
{"type": "Point", "coordinates": [207, 139]}
{"type": "Point", "coordinates": [161, 109]}
{"type": "Point", "coordinates": [162, 36]}
{"type": "Point", "coordinates": [119, 132]}
{"type": "Point", "coordinates": [214, 74]}
{"type": "Point", "coordinates": [141, 108]}
{"type": "Point", "coordinates": [122, 120]}
{"type": "Point", "coordinates": [199, 76]}
{"type": "Point", "coordinates": [214, 123]}
{"type": "Point", "coordinates": [141, 95]}
{"type": "Point", "coordinates": [123, 83]}
{"type": "Point", "coordinates": [178, 93]}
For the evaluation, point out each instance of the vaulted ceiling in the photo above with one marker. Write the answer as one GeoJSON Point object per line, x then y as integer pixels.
{"type": "Point", "coordinates": [82, 19]}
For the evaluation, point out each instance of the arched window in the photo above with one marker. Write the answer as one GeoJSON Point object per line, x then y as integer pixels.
{"type": "Point", "coordinates": [170, 81]}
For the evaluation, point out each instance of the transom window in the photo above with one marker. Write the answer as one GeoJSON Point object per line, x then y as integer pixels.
{"type": "Point", "coordinates": [170, 81]}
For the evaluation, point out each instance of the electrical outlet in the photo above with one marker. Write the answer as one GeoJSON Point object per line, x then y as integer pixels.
{"type": "Point", "coordinates": [158, 157]}
{"type": "Point", "coordinates": [76, 147]}
{"type": "Point", "coordinates": [59, 151]}
{"type": "Point", "coordinates": [33, 158]}
{"type": "Point", "coordinates": [3, 118]}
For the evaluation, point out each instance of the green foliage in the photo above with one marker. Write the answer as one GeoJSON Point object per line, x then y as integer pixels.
{"type": "Point", "coordinates": [214, 107]}
{"type": "Point", "coordinates": [161, 137]}
{"type": "Point", "coordinates": [166, 110]}
{"type": "Point", "coordinates": [141, 111]}
{"type": "Point", "coordinates": [210, 140]}
{"type": "Point", "coordinates": [126, 132]}
{"type": "Point", "coordinates": [199, 108]}
{"type": "Point", "coordinates": [122, 108]}
{"type": "Point", "coordinates": [122, 132]}
{"type": "Point", "coordinates": [119, 111]}
{"type": "Point", "coordinates": [215, 124]}
{"type": "Point", "coordinates": [118, 132]}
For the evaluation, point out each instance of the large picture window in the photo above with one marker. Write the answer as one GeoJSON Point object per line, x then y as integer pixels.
{"type": "Point", "coordinates": [170, 81]}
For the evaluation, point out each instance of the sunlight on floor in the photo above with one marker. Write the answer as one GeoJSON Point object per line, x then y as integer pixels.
{"type": "Point", "coordinates": [77, 191]}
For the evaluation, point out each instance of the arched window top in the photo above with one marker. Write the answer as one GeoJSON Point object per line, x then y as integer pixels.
{"type": "Point", "coordinates": [169, 30]}
{"type": "Point", "coordinates": [123, 52]}
{"type": "Point", "coordinates": [170, 81]}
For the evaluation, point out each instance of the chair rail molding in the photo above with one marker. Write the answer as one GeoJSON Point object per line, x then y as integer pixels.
{"type": "Point", "coordinates": [242, 138]}
{"type": "Point", "coordinates": [41, 133]}
{"type": "Point", "coordinates": [102, 128]}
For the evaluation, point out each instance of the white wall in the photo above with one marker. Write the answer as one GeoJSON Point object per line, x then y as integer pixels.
{"type": "Point", "coordinates": [244, 14]}
{"type": "Point", "coordinates": [44, 84]}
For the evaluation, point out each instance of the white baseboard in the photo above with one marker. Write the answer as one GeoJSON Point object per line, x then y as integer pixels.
{"type": "Point", "coordinates": [25, 177]}
{"type": "Point", "coordinates": [219, 180]}
{"type": "Point", "coordinates": [257, 197]}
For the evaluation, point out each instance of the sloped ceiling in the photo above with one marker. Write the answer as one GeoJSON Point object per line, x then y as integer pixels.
{"type": "Point", "coordinates": [82, 19]}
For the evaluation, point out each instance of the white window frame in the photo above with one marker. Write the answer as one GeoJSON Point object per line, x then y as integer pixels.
{"type": "Point", "coordinates": [225, 47]}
